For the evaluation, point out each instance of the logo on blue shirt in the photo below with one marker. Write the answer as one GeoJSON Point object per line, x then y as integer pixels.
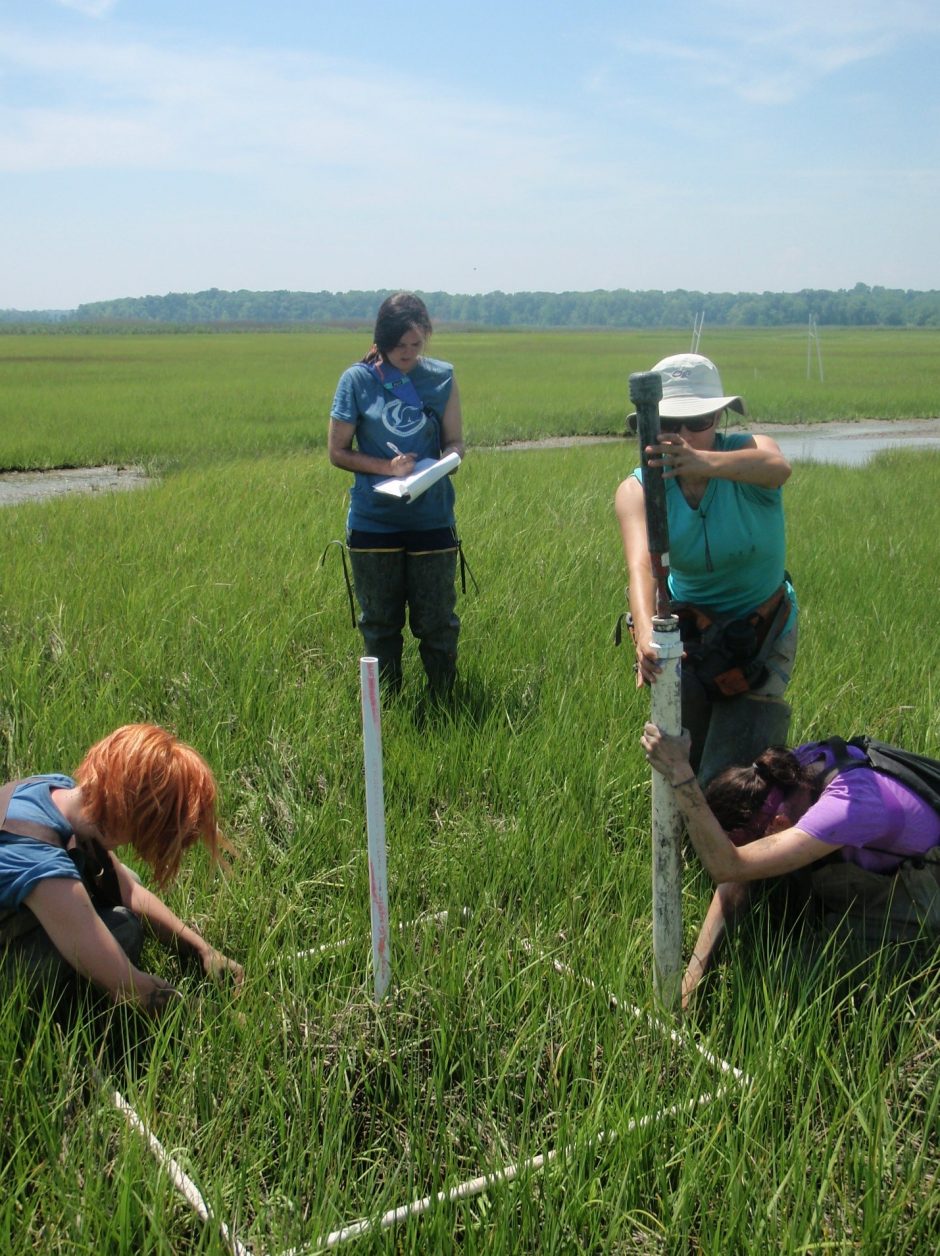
{"type": "Point", "coordinates": [402, 420]}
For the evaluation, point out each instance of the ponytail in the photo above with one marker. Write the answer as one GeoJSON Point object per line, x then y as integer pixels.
{"type": "Point", "coordinates": [778, 766]}
{"type": "Point", "coordinates": [745, 799]}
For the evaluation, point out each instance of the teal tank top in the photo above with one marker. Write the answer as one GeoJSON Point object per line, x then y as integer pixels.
{"type": "Point", "coordinates": [728, 553]}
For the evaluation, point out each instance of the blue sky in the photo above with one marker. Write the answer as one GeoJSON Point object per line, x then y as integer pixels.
{"type": "Point", "coordinates": [149, 146]}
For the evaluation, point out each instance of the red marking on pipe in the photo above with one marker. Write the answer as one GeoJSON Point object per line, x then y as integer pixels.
{"type": "Point", "coordinates": [372, 693]}
{"type": "Point", "coordinates": [380, 908]}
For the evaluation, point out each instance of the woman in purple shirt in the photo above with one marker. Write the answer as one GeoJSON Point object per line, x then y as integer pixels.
{"type": "Point", "coordinates": [788, 810]}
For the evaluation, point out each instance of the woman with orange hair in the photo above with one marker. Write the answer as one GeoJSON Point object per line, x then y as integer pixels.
{"type": "Point", "coordinates": [67, 905]}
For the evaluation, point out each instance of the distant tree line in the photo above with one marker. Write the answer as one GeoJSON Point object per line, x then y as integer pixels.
{"type": "Point", "coordinates": [861, 306]}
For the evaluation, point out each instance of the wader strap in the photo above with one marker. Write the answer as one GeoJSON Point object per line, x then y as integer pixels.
{"type": "Point", "coordinates": [23, 828]}
{"type": "Point", "coordinates": [17, 921]}
{"type": "Point", "coordinates": [706, 616]}
{"type": "Point", "coordinates": [778, 598]}
{"type": "Point", "coordinates": [465, 570]}
{"type": "Point", "coordinates": [774, 630]}
{"type": "Point", "coordinates": [349, 589]}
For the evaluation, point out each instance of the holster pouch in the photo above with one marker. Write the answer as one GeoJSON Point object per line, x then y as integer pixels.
{"type": "Point", "coordinates": [729, 656]}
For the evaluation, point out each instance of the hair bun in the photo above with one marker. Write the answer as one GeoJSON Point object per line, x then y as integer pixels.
{"type": "Point", "coordinates": [778, 766]}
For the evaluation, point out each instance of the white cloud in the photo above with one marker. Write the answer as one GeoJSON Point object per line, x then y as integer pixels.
{"type": "Point", "coordinates": [772, 54]}
{"type": "Point", "coordinates": [179, 160]}
{"type": "Point", "coordinates": [112, 105]}
{"type": "Point", "coordinates": [90, 8]}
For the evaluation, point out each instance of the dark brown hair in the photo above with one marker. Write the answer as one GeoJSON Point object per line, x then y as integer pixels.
{"type": "Point", "coordinates": [397, 315]}
{"type": "Point", "coordinates": [737, 795]}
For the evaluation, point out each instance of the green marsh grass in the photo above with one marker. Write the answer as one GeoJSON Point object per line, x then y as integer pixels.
{"type": "Point", "coordinates": [172, 399]}
{"type": "Point", "coordinates": [200, 603]}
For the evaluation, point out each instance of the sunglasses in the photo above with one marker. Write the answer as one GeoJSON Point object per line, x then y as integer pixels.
{"type": "Point", "coordinates": [672, 427]}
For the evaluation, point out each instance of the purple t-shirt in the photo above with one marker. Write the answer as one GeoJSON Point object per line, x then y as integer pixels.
{"type": "Point", "coordinates": [867, 813]}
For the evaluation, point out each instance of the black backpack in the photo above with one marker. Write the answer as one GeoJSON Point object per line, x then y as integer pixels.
{"type": "Point", "coordinates": [918, 772]}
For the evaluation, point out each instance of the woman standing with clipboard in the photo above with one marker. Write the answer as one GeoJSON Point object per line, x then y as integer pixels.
{"type": "Point", "coordinates": [397, 407]}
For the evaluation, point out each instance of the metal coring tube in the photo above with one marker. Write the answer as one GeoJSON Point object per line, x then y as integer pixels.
{"type": "Point", "coordinates": [646, 390]}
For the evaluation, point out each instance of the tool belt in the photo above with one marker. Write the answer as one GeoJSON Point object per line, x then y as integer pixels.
{"type": "Point", "coordinates": [727, 656]}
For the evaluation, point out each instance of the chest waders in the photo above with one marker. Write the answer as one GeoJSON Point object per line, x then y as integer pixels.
{"type": "Point", "coordinates": [24, 942]}
{"type": "Point", "coordinates": [734, 727]}
{"type": "Point", "coordinates": [870, 908]}
{"type": "Point", "coordinates": [388, 581]}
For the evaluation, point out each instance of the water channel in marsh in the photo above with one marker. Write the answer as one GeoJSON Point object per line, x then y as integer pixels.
{"type": "Point", "coordinates": [848, 444]}
{"type": "Point", "coordinates": [17, 487]}
{"type": "Point", "coordinates": [845, 444]}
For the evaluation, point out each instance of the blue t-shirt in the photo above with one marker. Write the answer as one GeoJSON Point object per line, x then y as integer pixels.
{"type": "Point", "coordinates": [727, 553]}
{"type": "Point", "coordinates": [383, 419]}
{"type": "Point", "coordinates": [24, 861]}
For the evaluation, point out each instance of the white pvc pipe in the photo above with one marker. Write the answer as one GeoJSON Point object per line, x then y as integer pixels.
{"type": "Point", "coordinates": [507, 1173]}
{"type": "Point", "coordinates": [533, 1164]}
{"type": "Point", "coordinates": [181, 1182]}
{"type": "Point", "coordinates": [463, 1190]}
{"type": "Point", "coordinates": [375, 824]}
{"type": "Point", "coordinates": [668, 1031]}
{"type": "Point", "coordinates": [328, 948]}
{"type": "Point", "coordinates": [666, 713]}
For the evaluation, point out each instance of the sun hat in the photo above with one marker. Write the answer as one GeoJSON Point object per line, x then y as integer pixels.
{"type": "Point", "coordinates": [692, 388]}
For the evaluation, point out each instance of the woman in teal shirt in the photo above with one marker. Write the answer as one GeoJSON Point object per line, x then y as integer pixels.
{"type": "Point", "coordinates": [726, 552]}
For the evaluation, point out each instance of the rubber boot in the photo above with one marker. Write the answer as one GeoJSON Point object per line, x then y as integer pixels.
{"type": "Point", "coordinates": [432, 599]}
{"type": "Point", "coordinates": [127, 930]}
{"type": "Point", "coordinates": [740, 729]}
{"type": "Point", "coordinates": [379, 579]}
